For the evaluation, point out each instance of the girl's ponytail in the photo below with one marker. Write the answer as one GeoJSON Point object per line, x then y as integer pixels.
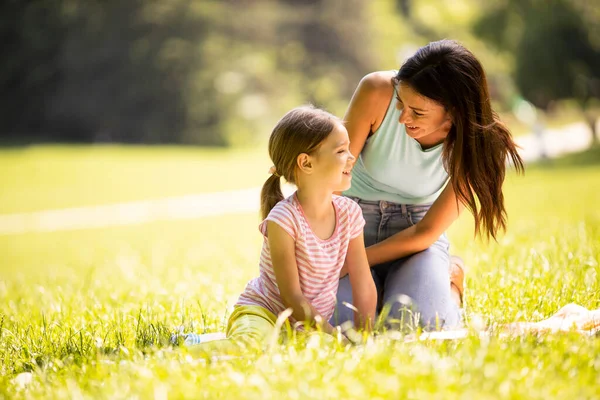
{"type": "Point", "coordinates": [270, 194]}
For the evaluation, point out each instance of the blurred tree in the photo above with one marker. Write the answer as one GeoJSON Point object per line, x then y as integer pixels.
{"type": "Point", "coordinates": [31, 34]}
{"type": "Point", "coordinates": [277, 54]}
{"type": "Point", "coordinates": [555, 45]}
{"type": "Point", "coordinates": [186, 71]}
{"type": "Point", "coordinates": [335, 37]}
{"type": "Point", "coordinates": [404, 6]}
{"type": "Point", "coordinates": [125, 66]}
{"type": "Point", "coordinates": [79, 70]}
{"type": "Point", "coordinates": [138, 59]}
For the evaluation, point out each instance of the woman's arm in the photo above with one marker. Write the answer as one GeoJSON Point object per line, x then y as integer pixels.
{"type": "Point", "coordinates": [367, 108]}
{"type": "Point", "coordinates": [444, 211]}
{"type": "Point", "coordinates": [364, 293]}
{"type": "Point", "coordinates": [283, 257]}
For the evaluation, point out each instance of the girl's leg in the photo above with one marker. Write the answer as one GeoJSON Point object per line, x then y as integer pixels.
{"type": "Point", "coordinates": [249, 327]}
{"type": "Point", "coordinates": [424, 278]}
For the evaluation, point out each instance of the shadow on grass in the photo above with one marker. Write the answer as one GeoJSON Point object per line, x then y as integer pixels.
{"type": "Point", "coordinates": [587, 158]}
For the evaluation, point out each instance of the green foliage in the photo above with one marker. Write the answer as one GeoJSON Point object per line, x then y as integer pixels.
{"type": "Point", "coordinates": [221, 73]}
{"type": "Point", "coordinates": [99, 71]}
{"type": "Point", "coordinates": [555, 55]}
{"type": "Point", "coordinates": [88, 313]}
{"type": "Point", "coordinates": [185, 71]}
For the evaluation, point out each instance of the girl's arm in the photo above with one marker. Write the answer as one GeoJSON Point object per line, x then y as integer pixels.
{"type": "Point", "coordinates": [444, 211]}
{"type": "Point", "coordinates": [364, 293]}
{"type": "Point", "coordinates": [283, 257]}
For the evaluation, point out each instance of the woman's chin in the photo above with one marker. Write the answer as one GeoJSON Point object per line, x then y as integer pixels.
{"type": "Point", "coordinates": [414, 135]}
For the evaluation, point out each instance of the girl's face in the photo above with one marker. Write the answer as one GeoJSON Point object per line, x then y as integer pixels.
{"type": "Point", "coordinates": [333, 162]}
{"type": "Point", "coordinates": [425, 120]}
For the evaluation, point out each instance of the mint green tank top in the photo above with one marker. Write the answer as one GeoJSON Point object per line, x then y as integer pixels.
{"type": "Point", "coordinates": [393, 167]}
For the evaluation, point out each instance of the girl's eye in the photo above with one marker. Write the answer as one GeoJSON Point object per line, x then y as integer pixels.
{"type": "Point", "coordinates": [341, 151]}
{"type": "Point", "coordinates": [417, 114]}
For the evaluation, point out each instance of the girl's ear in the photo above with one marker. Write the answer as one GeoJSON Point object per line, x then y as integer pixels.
{"type": "Point", "coordinates": [304, 163]}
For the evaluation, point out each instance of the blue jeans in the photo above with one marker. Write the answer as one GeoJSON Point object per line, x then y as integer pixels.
{"type": "Point", "coordinates": [411, 290]}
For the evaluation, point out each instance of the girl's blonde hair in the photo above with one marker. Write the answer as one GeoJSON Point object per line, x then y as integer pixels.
{"type": "Point", "coordinates": [301, 130]}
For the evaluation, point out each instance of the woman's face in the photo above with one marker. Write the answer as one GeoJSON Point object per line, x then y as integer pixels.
{"type": "Point", "coordinates": [424, 119]}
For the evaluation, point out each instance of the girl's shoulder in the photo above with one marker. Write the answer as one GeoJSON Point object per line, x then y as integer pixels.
{"type": "Point", "coordinates": [286, 214]}
{"type": "Point", "coordinates": [346, 204]}
{"type": "Point", "coordinates": [286, 209]}
{"type": "Point", "coordinates": [350, 216]}
{"type": "Point", "coordinates": [288, 205]}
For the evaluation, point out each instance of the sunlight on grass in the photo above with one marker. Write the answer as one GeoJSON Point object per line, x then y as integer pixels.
{"type": "Point", "coordinates": [88, 313]}
{"type": "Point", "coordinates": [47, 177]}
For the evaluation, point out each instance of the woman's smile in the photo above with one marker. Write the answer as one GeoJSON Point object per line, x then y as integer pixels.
{"type": "Point", "coordinates": [411, 129]}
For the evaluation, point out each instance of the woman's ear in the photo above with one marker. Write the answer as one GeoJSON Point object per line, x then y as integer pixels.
{"type": "Point", "coordinates": [304, 163]}
{"type": "Point", "coordinates": [448, 116]}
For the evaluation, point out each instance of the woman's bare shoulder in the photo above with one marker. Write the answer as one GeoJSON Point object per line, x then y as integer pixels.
{"type": "Point", "coordinates": [379, 81]}
{"type": "Point", "coordinates": [371, 99]}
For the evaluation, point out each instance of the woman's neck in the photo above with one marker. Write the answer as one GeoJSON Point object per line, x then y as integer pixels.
{"type": "Point", "coordinates": [433, 139]}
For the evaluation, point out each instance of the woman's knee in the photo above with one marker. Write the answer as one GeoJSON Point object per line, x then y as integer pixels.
{"type": "Point", "coordinates": [417, 291]}
{"type": "Point", "coordinates": [419, 275]}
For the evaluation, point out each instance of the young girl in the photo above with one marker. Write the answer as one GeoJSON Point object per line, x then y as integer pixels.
{"type": "Point", "coordinates": [307, 237]}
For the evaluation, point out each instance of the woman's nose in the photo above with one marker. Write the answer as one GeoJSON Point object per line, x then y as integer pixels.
{"type": "Point", "coordinates": [403, 117]}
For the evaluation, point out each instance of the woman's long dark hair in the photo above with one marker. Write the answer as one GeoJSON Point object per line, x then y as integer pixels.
{"type": "Point", "coordinates": [478, 145]}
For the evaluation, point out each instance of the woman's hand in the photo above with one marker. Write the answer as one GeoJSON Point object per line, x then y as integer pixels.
{"type": "Point", "coordinates": [423, 234]}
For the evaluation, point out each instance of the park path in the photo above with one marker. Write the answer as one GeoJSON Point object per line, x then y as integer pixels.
{"type": "Point", "coordinates": [552, 143]}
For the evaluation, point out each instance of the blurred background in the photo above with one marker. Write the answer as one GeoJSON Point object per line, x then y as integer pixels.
{"type": "Point", "coordinates": [133, 147]}
{"type": "Point", "coordinates": [220, 73]}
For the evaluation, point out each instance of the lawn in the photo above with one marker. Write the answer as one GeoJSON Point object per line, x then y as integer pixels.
{"type": "Point", "coordinates": [88, 313]}
{"type": "Point", "coordinates": [46, 177]}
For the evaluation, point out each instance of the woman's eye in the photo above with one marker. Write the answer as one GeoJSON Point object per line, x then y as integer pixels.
{"type": "Point", "coordinates": [417, 114]}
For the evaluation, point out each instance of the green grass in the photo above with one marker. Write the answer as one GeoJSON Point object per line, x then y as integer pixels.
{"type": "Point", "coordinates": [47, 177]}
{"type": "Point", "coordinates": [89, 312]}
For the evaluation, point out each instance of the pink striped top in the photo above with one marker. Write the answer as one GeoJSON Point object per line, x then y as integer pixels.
{"type": "Point", "coordinates": [319, 261]}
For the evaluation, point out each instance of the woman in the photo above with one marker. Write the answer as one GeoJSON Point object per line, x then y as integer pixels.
{"type": "Point", "coordinates": [428, 144]}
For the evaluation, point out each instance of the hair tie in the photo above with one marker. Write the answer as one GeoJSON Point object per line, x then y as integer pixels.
{"type": "Point", "coordinates": [273, 171]}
